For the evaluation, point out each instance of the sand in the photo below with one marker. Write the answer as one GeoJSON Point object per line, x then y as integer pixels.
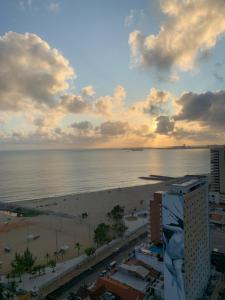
{"type": "Point", "coordinates": [61, 224]}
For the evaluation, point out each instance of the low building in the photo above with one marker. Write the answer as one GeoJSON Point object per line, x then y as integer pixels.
{"type": "Point", "coordinates": [132, 280]}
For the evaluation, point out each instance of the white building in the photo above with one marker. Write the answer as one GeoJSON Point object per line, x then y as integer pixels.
{"type": "Point", "coordinates": [185, 224]}
{"type": "Point", "coordinates": [217, 190]}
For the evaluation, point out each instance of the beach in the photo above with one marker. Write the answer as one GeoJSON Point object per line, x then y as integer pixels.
{"type": "Point", "coordinates": [60, 224]}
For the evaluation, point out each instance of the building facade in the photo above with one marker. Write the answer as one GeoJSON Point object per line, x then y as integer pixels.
{"type": "Point", "coordinates": [155, 219]}
{"type": "Point", "coordinates": [185, 225]}
{"type": "Point", "coordinates": [217, 189]}
{"type": "Point", "coordinates": [186, 240]}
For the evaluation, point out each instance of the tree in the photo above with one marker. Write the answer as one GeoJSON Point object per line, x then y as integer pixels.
{"type": "Point", "coordinates": [28, 260]}
{"type": "Point", "coordinates": [18, 267]}
{"type": "Point", "coordinates": [116, 214]}
{"type": "Point", "coordinates": [78, 246]}
{"type": "Point", "coordinates": [47, 256]}
{"type": "Point", "coordinates": [101, 234]}
{"type": "Point", "coordinates": [62, 252]}
{"type": "Point", "coordinates": [90, 251]}
{"type": "Point", "coordinates": [119, 228]}
{"type": "Point", "coordinates": [52, 264]}
{"type": "Point", "coordinates": [56, 255]}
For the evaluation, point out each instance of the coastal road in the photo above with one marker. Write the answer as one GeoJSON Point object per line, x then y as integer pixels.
{"type": "Point", "coordinates": [91, 275]}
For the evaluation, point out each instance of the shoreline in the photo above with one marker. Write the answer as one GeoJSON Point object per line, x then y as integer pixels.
{"type": "Point", "coordinates": [60, 223]}
{"type": "Point", "coordinates": [84, 193]}
{"type": "Point", "coordinates": [153, 182]}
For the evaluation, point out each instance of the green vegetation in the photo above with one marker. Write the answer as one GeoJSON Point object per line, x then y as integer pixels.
{"type": "Point", "coordinates": [116, 214]}
{"type": "Point", "coordinates": [22, 263]}
{"type": "Point", "coordinates": [119, 228]}
{"type": "Point", "coordinates": [26, 212]}
{"type": "Point", "coordinates": [77, 246]}
{"type": "Point", "coordinates": [101, 234]}
{"type": "Point", "coordinates": [62, 252]}
{"type": "Point", "coordinates": [90, 251]}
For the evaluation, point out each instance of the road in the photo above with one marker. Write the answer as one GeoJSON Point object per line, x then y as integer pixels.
{"type": "Point", "coordinates": [90, 276]}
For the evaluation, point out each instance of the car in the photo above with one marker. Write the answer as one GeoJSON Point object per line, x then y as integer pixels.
{"type": "Point", "coordinates": [112, 264]}
{"type": "Point", "coordinates": [103, 273]}
{"type": "Point", "coordinates": [116, 250]}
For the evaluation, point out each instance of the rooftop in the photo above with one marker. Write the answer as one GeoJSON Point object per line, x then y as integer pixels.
{"type": "Point", "coordinates": [135, 270]}
{"type": "Point", "coordinates": [129, 280]}
{"type": "Point", "coordinates": [124, 291]}
{"type": "Point", "coordinates": [187, 183]}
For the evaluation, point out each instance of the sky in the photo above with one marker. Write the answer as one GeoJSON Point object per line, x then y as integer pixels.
{"type": "Point", "coordinates": [103, 74]}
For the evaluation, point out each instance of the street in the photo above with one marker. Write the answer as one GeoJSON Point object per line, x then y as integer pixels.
{"type": "Point", "coordinates": [89, 276]}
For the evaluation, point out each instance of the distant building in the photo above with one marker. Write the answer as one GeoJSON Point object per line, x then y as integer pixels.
{"type": "Point", "coordinates": [184, 221]}
{"type": "Point", "coordinates": [217, 189]}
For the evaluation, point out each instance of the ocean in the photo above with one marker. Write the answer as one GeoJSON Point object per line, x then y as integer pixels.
{"type": "Point", "coordinates": [26, 175]}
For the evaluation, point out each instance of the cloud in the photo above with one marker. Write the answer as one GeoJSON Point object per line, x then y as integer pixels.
{"type": "Point", "coordinates": [164, 125]}
{"type": "Point", "coordinates": [54, 7]}
{"type": "Point", "coordinates": [25, 3]}
{"type": "Point", "coordinates": [107, 105]}
{"type": "Point", "coordinates": [206, 108]}
{"type": "Point", "coordinates": [31, 72]}
{"type": "Point", "coordinates": [156, 103]}
{"type": "Point", "coordinates": [134, 17]}
{"type": "Point", "coordinates": [218, 76]}
{"type": "Point", "coordinates": [74, 103]}
{"type": "Point", "coordinates": [113, 128]}
{"type": "Point", "coordinates": [88, 91]}
{"type": "Point", "coordinates": [83, 127]}
{"type": "Point", "coordinates": [190, 29]}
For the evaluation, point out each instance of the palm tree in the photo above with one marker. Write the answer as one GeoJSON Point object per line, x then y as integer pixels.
{"type": "Point", "coordinates": [78, 246]}
{"type": "Point", "coordinates": [52, 264]}
{"type": "Point", "coordinates": [56, 254]}
{"type": "Point", "coordinates": [47, 256]}
{"type": "Point", "coordinates": [62, 252]}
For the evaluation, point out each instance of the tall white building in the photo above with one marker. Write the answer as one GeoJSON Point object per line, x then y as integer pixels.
{"type": "Point", "coordinates": [185, 224]}
{"type": "Point", "coordinates": [217, 190]}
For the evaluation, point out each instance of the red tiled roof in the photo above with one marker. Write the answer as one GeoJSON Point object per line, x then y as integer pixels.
{"type": "Point", "coordinates": [117, 288]}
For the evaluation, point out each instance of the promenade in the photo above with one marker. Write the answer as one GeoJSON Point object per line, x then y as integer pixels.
{"type": "Point", "coordinates": [67, 270]}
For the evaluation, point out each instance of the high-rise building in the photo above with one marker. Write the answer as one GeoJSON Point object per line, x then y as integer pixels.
{"type": "Point", "coordinates": [217, 173]}
{"type": "Point", "coordinates": [185, 225]}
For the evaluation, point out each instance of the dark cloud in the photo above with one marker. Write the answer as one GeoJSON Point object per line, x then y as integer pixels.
{"type": "Point", "coordinates": [82, 125]}
{"type": "Point", "coordinates": [206, 108]}
{"type": "Point", "coordinates": [165, 125]}
{"type": "Point", "coordinates": [113, 128]}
